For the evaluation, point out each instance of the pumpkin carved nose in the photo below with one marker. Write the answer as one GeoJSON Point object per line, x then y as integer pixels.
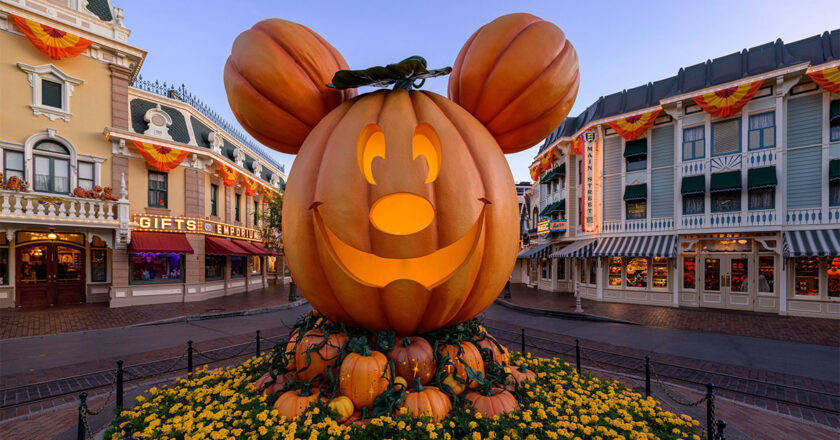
{"type": "Point", "coordinates": [401, 213]}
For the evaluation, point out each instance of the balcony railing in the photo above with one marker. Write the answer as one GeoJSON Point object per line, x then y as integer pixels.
{"type": "Point", "coordinates": [40, 208]}
{"type": "Point", "coordinates": [641, 225]}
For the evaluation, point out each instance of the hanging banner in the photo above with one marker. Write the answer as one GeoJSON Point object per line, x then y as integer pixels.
{"type": "Point", "coordinates": [632, 127]}
{"type": "Point", "coordinates": [577, 145]}
{"type": "Point", "coordinates": [589, 140]}
{"type": "Point", "coordinates": [546, 160]}
{"type": "Point", "coordinates": [162, 158]}
{"type": "Point", "coordinates": [535, 173]}
{"type": "Point", "coordinates": [827, 78]}
{"type": "Point", "coordinates": [726, 102]}
{"type": "Point", "coordinates": [55, 43]}
{"type": "Point", "coordinates": [251, 186]}
{"type": "Point", "coordinates": [228, 174]}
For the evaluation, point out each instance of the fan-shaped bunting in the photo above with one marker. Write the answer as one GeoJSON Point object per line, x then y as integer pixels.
{"type": "Point", "coordinates": [546, 160]}
{"type": "Point", "coordinates": [577, 145]}
{"type": "Point", "coordinates": [827, 78]}
{"type": "Point", "coordinates": [632, 127]}
{"type": "Point", "coordinates": [51, 41]}
{"type": "Point", "coordinates": [251, 185]}
{"type": "Point", "coordinates": [161, 158]}
{"type": "Point", "coordinates": [228, 174]}
{"type": "Point", "coordinates": [535, 173]}
{"type": "Point", "coordinates": [726, 102]}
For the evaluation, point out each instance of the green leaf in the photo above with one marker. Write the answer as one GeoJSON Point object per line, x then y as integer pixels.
{"type": "Point", "coordinates": [404, 74]}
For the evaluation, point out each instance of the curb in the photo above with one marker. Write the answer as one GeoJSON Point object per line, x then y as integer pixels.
{"type": "Point", "coordinates": [233, 313]}
{"type": "Point", "coordinates": [560, 314]}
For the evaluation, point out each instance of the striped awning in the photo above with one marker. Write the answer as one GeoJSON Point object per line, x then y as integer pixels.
{"type": "Point", "coordinates": [820, 243]}
{"type": "Point", "coordinates": [578, 249]}
{"type": "Point", "coordinates": [538, 251]}
{"type": "Point", "coordinates": [639, 246]}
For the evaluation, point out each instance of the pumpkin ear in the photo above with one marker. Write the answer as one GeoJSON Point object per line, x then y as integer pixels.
{"type": "Point", "coordinates": [519, 76]}
{"type": "Point", "coordinates": [275, 79]}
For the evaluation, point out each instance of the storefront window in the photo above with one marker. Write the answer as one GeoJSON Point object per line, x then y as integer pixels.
{"type": "Point", "coordinates": [739, 278]}
{"type": "Point", "coordinates": [593, 271]}
{"type": "Point", "coordinates": [544, 269]}
{"type": "Point", "coordinates": [99, 265]}
{"type": "Point", "coordinates": [236, 267]}
{"type": "Point", "coordinates": [561, 268]}
{"type": "Point", "coordinates": [581, 263]}
{"type": "Point", "coordinates": [214, 267]}
{"type": "Point", "coordinates": [766, 271]}
{"type": "Point", "coordinates": [807, 276]}
{"type": "Point", "coordinates": [689, 273]}
{"type": "Point", "coordinates": [636, 272]}
{"type": "Point", "coordinates": [4, 261]}
{"type": "Point", "coordinates": [660, 273]}
{"type": "Point", "coordinates": [712, 274]}
{"type": "Point", "coordinates": [834, 277]}
{"type": "Point", "coordinates": [271, 264]}
{"type": "Point", "coordinates": [155, 267]}
{"type": "Point", "coordinates": [255, 265]}
{"type": "Point", "coordinates": [614, 271]}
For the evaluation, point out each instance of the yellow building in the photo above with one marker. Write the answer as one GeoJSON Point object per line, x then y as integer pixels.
{"type": "Point", "coordinates": [117, 189]}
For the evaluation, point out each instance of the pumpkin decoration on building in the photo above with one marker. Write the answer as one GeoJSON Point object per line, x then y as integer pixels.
{"type": "Point", "coordinates": [400, 214]}
{"type": "Point", "coordinates": [13, 183]}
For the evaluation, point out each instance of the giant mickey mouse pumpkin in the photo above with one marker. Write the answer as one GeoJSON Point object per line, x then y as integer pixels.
{"type": "Point", "coordinates": [400, 212]}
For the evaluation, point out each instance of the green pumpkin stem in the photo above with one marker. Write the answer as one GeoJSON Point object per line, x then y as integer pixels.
{"type": "Point", "coordinates": [305, 392]}
{"type": "Point", "coordinates": [418, 387]}
{"type": "Point", "coordinates": [522, 368]}
{"type": "Point", "coordinates": [406, 341]}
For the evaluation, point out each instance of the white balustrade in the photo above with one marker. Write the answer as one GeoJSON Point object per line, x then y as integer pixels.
{"type": "Point", "coordinates": [810, 216]}
{"type": "Point", "coordinates": [45, 208]}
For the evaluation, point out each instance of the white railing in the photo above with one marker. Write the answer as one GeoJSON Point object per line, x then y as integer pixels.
{"type": "Point", "coordinates": [760, 158]}
{"type": "Point", "coordinates": [47, 208]}
{"type": "Point", "coordinates": [642, 225]}
{"type": "Point", "coordinates": [810, 216]}
{"type": "Point", "coordinates": [764, 217]}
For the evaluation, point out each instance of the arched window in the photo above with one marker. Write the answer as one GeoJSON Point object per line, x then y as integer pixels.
{"type": "Point", "coordinates": [52, 167]}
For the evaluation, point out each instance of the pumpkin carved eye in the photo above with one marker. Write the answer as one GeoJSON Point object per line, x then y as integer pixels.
{"type": "Point", "coordinates": [427, 144]}
{"type": "Point", "coordinates": [371, 145]}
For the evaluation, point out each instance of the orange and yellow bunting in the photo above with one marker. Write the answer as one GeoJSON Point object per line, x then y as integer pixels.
{"type": "Point", "coordinates": [546, 160]}
{"type": "Point", "coordinates": [726, 102]}
{"type": "Point", "coordinates": [632, 127]}
{"type": "Point", "coordinates": [161, 158]}
{"type": "Point", "coordinates": [51, 41]}
{"type": "Point", "coordinates": [577, 145]}
{"type": "Point", "coordinates": [827, 78]}
{"type": "Point", "coordinates": [228, 174]}
{"type": "Point", "coordinates": [535, 173]}
{"type": "Point", "coordinates": [251, 185]}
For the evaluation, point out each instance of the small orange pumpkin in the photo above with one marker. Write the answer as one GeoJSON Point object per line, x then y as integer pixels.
{"type": "Point", "coordinates": [428, 401]}
{"type": "Point", "coordinates": [522, 374]}
{"type": "Point", "coordinates": [453, 383]}
{"type": "Point", "coordinates": [469, 356]}
{"type": "Point", "coordinates": [496, 403]}
{"type": "Point", "coordinates": [519, 76]}
{"type": "Point", "coordinates": [400, 381]}
{"type": "Point", "coordinates": [312, 363]}
{"type": "Point", "coordinates": [343, 406]}
{"type": "Point", "coordinates": [295, 402]}
{"type": "Point", "coordinates": [500, 356]}
{"type": "Point", "coordinates": [413, 358]}
{"type": "Point", "coordinates": [363, 377]}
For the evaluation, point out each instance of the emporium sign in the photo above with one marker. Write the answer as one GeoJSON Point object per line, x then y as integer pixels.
{"type": "Point", "coordinates": [588, 196]}
{"type": "Point", "coordinates": [191, 225]}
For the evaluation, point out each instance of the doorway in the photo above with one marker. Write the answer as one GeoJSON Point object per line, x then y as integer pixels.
{"type": "Point", "coordinates": [725, 282]}
{"type": "Point", "coordinates": [50, 274]}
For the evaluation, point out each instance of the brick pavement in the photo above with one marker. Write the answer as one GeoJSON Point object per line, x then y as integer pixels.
{"type": "Point", "coordinates": [39, 321]}
{"type": "Point", "coordinates": [730, 322]}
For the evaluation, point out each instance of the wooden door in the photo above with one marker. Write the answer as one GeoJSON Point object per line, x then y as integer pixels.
{"type": "Point", "coordinates": [50, 274]}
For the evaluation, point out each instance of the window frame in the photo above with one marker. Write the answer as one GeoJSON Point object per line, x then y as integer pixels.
{"type": "Point", "coordinates": [6, 168]}
{"type": "Point", "coordinates": [105, 263]}
{"type": "Point", "coordinates": [831, 138]}
{"type": "Point", "coordinates": [256, 213]}
{"type": "Point", "coordinates": [772, 199]}
{"type": "Point", "coordinates": [35, 75]}
{"type": "Point", "coordinates": [834, 187]}
{"type": "Point", "coordinates": [166, 281]}
{"type": "Point", "coordinates": [51, 158]}
{"type": "Point", "coordinates": [820, 269]}
{"type": "Point", "coordinates": [712, 143]}
{"type": "Point", "coordinates": [79, 178]}
{"type": "Point", "coordinates": [151, 191]}
{"type": "Point", "coordinates": [635, 159]}
{"type": "Point", "coordinates": [626, 262]}
{"type": "Point", "coordinates": [60, 86]}
{"type": "Point", "coordinates": [627, 204]}
{"type": "Point", "coordinates": [701, 196]}
{"type": "Point", "coordinates": [214, 200]}
{"type": "Point", "coordinates": [206, 265]}
{"type": "Point", "coordinates": [4, 274]}
{"type": "Point", "coordinates": [717, 193]}
{"type": "Point", "coordinates": [694, 143]}
{"type": "Point", "coordinates": [761, 132]}
{"type": "Point", "coordinates": [236, 210]}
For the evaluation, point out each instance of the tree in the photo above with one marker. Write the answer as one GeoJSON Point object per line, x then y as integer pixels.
{"type": "Point", "coordinates": [270, 221]}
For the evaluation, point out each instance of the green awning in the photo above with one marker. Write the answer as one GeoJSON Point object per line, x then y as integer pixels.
{"type": "Point", "coordinates": [554, 207]}
{"type": "Point", "coordinates": [761, 177]}
{"type": "Point", "coordinates": [548, 208]}
{"type": "Point", "coordinates": [693, 185]}
{"type": "Point", "coordinates": [561, 170]}
{"type": "Point", "coordinates": [635, 148]}
{"type": "Point", "coordinates": [635, 192]}
{"type": "Point", "coordinates": [728, 181]}
{"type": "Point", "coordinates": [834, 169]}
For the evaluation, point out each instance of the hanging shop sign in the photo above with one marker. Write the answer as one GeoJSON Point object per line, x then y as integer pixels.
{"type": "Point", "coordinates": [190, 225]}
{"type": "Point", "coordinates": [543, 227]}
{"type": "Point", "coordinates": [557, 226]}
{"type": "Point", "coordinates": [588, 179]}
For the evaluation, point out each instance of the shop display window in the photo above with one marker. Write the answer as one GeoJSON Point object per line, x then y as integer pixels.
{"type": "Point", "coordinates": [614, 269]}
{"type": "Point", "coordinates": [833, 277]}
{"type": "Point", "coordinates": [98, 265]}
{"type": "Point", "coordinates": [593, 271]}
{"type": "Point", "coordinates": [712, 274]}
{"type": "Point", "coordinates": [271, 264]}
{"type": "Point", "coordinates": [4, 262]}
{"type": "Point", "coordinates": [237, 267]}
{"type": "Point", "coordinates": [33, 263]}
{"type": "Point", "coordinates": [739, 275]}
{"type": "Point", "coordinates": [561, 268]}
{"type": "Point", "coordinates": [581, 264]}
{"type": "Point", "coordinates": [636, 272]}
{"type": "Point", "coordinates": [255, 265]}
{"type": "Point", "coordinates": [214, 267]}
{"type": "Point", "coordinates": [153, 267]}
{"type": "Point", "coordinates": [689, 273]}
{"type": "Point", "coordinates": [806, 276]}
{"type": "Point", "coordinates": [660, 272]}
{"type": "Point", "coordinates": [766, 273]}
{"type": "Point", "coordinates": [544, 269]}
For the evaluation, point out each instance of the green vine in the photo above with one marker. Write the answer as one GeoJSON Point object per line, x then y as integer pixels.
{"type": "Point", "coordinates": [407, 74]}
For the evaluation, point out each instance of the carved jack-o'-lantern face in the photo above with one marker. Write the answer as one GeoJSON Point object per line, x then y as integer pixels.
{"type": "Point", "coordinates": [399, 211]}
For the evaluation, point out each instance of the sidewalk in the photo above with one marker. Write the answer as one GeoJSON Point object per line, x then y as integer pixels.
{"type": "Point", "coordinates": [40, 321]}
{"type": "Point", "coordinates": [760, 325]}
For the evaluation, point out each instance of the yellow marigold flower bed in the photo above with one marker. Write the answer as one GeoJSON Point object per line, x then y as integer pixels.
{"type": "Point", "coordinates": [223, 404]}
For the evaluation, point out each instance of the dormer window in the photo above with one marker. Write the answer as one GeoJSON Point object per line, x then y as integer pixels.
{"type": "Point", "coordinates": [51, 90]}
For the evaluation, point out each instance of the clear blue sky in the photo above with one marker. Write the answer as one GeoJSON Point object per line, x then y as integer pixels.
{"type": "Point", "coordinates": [620, 44]}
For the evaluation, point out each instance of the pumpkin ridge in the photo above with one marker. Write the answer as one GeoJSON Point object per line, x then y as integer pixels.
{"type": "Point", "coordinates": [336, 55]}
{"type": "Point", "coordinates": [496, 61]}
{"type": "Point", "coordinates": [257, 94]}
{"type": "Point", "coordinates": [284, 47]}
{"type": "Point", "coordinates": [571, 91]}
{"type": "Point", "coordinates": [454, 89]}
{"type": "Point", "coordinates": [533, 82]}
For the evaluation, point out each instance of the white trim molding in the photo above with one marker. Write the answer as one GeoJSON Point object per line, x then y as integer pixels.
{"type": "Point", "coordinates": [35, 74]}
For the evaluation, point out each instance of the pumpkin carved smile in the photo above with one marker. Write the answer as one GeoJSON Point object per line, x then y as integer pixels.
{"type": "Point", "coordinates": [372, 270]}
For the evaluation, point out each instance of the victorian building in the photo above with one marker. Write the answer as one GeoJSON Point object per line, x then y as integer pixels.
{"type": "Point", "coordinates": [116, 189]}
{"type": "Point", "coordinates": [718, 187]}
